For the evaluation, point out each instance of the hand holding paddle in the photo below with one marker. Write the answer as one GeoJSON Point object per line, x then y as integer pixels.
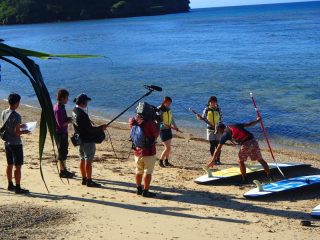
{"type": "Point", "coordinates": [199, 117]}
{"type": "Point", "coordinates": [259, 119]}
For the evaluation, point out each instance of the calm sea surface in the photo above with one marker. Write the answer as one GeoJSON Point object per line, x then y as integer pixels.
{"type": "Point", "coordinates": [270, 50]}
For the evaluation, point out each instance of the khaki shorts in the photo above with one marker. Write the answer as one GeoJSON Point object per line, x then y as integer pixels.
{"type": "Point", "coordinates": [87, 151]}
{"type": "Point", "coordinates": [250, 149]}
{"type": "Point", "coordinates": [145, 164]}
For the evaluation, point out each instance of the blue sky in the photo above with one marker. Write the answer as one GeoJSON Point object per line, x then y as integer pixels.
{"type": "Point", "coordinates": [219, 3]}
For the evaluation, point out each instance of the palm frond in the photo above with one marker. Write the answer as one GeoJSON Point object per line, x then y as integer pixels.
{"type": "Point", "coordinates": [44, 55]}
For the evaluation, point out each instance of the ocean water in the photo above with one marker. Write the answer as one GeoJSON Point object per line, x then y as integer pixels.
{"type": "Point", "coordinates": [270, 50]}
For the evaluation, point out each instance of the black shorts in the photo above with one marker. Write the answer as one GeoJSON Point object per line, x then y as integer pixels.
{"type": "Point", "coordinates": [62, 145]}
{"type": "Point", "coordinates": [166, 134]}
{"type": "Point", "coordinates": [14, 154]}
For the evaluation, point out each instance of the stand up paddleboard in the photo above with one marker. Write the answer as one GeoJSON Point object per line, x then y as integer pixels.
{"type": "Point", "coordinates": [234, 172]}
{"type": "Point", "coordinates": [316, 212]}
{"type": "Point", "coordinates": [283, 186]}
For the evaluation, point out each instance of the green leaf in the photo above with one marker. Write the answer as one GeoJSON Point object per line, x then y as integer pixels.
{"type": "Point", "coordinates": [43, 55]}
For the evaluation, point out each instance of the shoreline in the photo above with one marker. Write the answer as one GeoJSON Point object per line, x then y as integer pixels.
{"type": "Point", "coordinates": [198, 134]}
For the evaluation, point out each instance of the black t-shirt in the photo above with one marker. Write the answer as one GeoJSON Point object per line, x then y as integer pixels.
{"type": "Point", "coordinates": [227, 135]}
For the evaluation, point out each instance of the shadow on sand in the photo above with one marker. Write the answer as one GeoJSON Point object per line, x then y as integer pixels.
{"type": "Point", "coordinates": [193, 197]}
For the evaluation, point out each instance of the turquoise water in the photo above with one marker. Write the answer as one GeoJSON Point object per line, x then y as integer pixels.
{"type": "Point", "coordinates": [271, 50]}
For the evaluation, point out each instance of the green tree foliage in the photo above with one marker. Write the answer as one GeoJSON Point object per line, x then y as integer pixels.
{"type": "Point", "coordinates": [34, 11]}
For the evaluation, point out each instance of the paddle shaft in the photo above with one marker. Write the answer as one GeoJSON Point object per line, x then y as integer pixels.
{"type": "Point", "coordinates": [265, 133]}
{"type": "Point", "coordinates": [172, 127]}
{"type": "Point", "coordinates": [203, 119]}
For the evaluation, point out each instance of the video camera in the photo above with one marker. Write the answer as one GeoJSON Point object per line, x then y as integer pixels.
{"type": "Point", "coordinates": [148, 112]}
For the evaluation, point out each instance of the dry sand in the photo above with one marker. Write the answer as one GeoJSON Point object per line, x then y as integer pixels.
{"type": "Point", "coordinates": [182, 210]}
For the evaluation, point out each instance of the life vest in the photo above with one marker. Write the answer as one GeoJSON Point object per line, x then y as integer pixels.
{"type": "Point", "coordinates": [167, 117]}
{"type": "Point", "coordinates": [240, 135]}
{"type": "Point", "coordinates": [213, 116]}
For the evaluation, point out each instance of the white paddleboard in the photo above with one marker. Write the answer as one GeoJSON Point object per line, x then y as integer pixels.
{"type": "Point", "coordinates": [283, 185]}
{"type": "Point", "coordinates": [316, 212]}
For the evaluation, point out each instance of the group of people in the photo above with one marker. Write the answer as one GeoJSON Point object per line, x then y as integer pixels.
{"type": "Point", "coordinates": [145, 154]}
{"type": "Point", "coordinates": [217, 134]}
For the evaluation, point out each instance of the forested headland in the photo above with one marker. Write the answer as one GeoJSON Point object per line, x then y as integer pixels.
{"type": "Point", "coordinates": [36, 11]}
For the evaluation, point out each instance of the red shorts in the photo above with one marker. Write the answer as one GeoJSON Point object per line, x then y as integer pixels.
{"type": "Point", "coordinates": [250, 149]}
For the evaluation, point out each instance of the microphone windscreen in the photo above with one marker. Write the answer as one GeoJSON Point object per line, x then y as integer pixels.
{"type": "Point", "coordinates": [156, 88]}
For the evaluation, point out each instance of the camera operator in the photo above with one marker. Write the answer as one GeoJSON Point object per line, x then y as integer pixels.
{"type": "Point", "coordinates": [144, 128]}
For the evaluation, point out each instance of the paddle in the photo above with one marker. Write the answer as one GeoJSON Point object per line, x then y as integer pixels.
{"type": "Point", "coordinates": [265, 134]}
{"type": "Point", "coordinates": [201, 118]}
{"type": "Point", "coordinates": [187, 136]}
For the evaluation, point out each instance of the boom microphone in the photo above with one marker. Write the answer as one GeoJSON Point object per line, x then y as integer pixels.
{"type": "Point", "coordinates": [153, 88]}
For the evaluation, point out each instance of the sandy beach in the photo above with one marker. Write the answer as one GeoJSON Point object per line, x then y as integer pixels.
{"type": "Point", "coordinates": [182, 210]}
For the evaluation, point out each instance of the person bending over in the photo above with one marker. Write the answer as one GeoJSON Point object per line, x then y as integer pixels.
{"type": "Point", "coordinates": [249, 146]}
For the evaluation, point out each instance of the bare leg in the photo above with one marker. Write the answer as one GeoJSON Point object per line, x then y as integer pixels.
{"type": "Point", "coordinates": [166, 151]}
{"type": "Point", "coordinates": [243, 169]}
{"type": "Point", "coordinates": [139, 179]}
{"type": "Point", "coordinates": [147, 181]}
{"type": "Point", "coordinates": [265, 166]}
{"type": "Point", "coordinates": [17, 174]}
{"type": "Point", "coordinates": [89, 169]}
{"type": "Point", "coordinates": [9, 173]}
{"type": "Point", "coordinates": [83, 168]}
{"type": "Point", "coordinates": [61, 165]}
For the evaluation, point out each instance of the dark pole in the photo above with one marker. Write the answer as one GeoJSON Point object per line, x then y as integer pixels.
{"type": "Point", "coordinates": [120, 114]}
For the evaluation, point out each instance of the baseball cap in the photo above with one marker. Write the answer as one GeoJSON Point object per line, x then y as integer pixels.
{"type": "Point", "coordinates": [82, 98]}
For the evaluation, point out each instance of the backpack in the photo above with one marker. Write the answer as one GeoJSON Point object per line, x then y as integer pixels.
{"type": "Point", "coordinates": [139, 140]}
{"type": "Point", "coordinates": [3, 130]}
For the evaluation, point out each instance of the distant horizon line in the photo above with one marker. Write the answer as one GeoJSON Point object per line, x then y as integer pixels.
{"type": "Point", "coordinates": [246, 5]}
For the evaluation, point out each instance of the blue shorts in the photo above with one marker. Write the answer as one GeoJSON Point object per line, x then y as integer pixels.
{"type": "Point", "coordinates": [165, 134]}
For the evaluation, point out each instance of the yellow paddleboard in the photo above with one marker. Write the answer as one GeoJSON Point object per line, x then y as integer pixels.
{"type": "Point", "coordinates": [235, 171]}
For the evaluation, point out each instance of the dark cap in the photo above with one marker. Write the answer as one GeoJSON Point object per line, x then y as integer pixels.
{"type": "Point", "coordinates": [82, 98]}
{"type": "Point", "coordinates": [219, 126]}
